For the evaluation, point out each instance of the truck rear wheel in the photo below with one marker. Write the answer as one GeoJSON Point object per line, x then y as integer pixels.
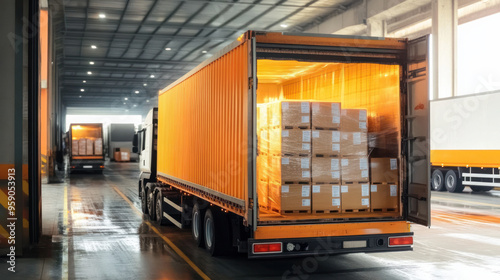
{"type": "Point", "coordinates": [144, 200]}
{"type": "Point", "coordinates": [160, 220]}
{"type": "Point", "coordinates": [197, 225]}
{"type": "Point", "coordinates": [150, 201]}
{"type": "Point", "coordinates": [437, 182]}
{"type": "Point", "coordinates": [452, 182]}
{"type": "Point", "coordinates": [216, 232]}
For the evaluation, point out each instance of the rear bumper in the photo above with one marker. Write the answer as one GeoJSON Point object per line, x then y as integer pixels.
{"type": "Point", "coordinates": [86, 165]}
{"type": "Point", "coordinates": [330, 245]}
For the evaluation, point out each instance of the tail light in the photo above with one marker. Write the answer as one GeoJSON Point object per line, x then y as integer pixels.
{"type": "Point", "coordinates": [400, 241]}
{"type": "Point", "coordinates": [101, 166]}
{"type": "Point", "coordinates": [265, 248]}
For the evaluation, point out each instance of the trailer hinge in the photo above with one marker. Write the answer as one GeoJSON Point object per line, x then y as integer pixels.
{"type": "Point", "coordinates": [250, 83]}
{"type": "Point", "coordinates": [250, 203]}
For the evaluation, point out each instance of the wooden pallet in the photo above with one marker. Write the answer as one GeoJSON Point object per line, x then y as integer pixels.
{"type": "Point", "coordinates": [325, 211]}
{"type": "Point", "coordinates": [294, 182]}
{"type": "Point", "coordinates": [384, 183]}
{"type": "Point", "coordinates": [326, 156]}
{"type": "Point", "coordinates": [284, 212]}
{"type": "Point", "coordinates": [355, 210]}
{"type": "Point", "coordinates": [325, 128]}
{"type": "Point", "coordinates": [385, 210]}
{"type": "Point", "coordinates": [290, 154]}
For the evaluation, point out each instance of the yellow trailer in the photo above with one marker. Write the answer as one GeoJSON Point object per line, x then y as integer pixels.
{"type": "Point", "coordinates": [201, 165]}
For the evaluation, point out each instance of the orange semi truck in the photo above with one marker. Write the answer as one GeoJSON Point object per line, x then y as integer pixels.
{"type": "Point", "coordinates": [202, 156]}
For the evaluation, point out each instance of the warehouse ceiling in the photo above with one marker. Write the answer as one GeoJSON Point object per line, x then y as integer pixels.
{"type": "Point", "coordinates": [117, 54]}
{"type": "Point", "coordinates": [114, 55]}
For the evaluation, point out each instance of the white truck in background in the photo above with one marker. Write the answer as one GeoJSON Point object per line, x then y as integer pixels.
{"type": "Point", "coordinates": [465, 142]}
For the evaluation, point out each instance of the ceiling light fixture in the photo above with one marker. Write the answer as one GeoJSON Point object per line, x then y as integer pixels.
{"type": "Point", "coordinates": [124, 103]}
{"type": "Point", "coordinates": [136, 92]}
{"type": "Point", "coordinates": [84, 81]}
{"type": "Point", "coordinates": [204, 51]}
{"type": "Point", "coordinates": [152, 76]}
{"type": "Point", "coordinates": [148, 102]}
{"type": "Point", "coordinates": [82, 90]}
{"type": "Point", "coordinates": [168, 49]}
{"type": "Point", "coordinates": [102, 15]}
{"type": "Point", "coordinates": [80, 96]}
{"type": "Point", "coordinates": [126, 98]}
{"type": "Point", "coordinates": [89, 72]}
{"type": "Point", "coordinates": [284, 25]}
{"type": "Point", "coordinates": [145, 85]}
{"type": "Point", "coordinates": [91, 62]}
{"type": "Point", "coordinates": [93, 47]}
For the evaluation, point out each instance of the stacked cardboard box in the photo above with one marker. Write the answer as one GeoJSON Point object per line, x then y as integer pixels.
{"type": "Point", "coordinates": [384, 184]}
{"type": "Point", "coordinates": [289, 156]}
{"type": "Point", "coordinates": [354, 166]}
{"type": "Point", "coordinates": [98, 146]}
{"type": "Point", "coordinates": [355, 197]}
{"type": "Point", "coordinates": [326, 122]}
{"type": "Point", "coordinates": [90, 147]}
{"type": "Point", "coordinates": [75, 147]}
{"type": "Point", "coordinates": [326, 198]}
{"type": "Point", "coordinates": [290, 198]}
{"type": "Point", "coordinates": [82, 146]}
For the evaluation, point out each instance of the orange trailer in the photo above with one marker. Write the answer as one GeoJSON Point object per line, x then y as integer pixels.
{"type": "Point", "coordinates": [205, 163]}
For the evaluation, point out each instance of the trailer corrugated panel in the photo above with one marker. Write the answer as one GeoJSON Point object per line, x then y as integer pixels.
{"type": "Point", "coordinates": [203, 127]}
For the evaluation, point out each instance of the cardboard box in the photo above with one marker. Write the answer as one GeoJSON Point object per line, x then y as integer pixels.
{"type": "Point", "coordinates": [353, 120]}
{"type": "Point", "coordinates": [290, 142]}
{"type": "Point", "coordinates": [290, 114]}
{"type": "Point", "coordinates": [384, 197]}
{"type": "Point", "coordinates": [354, 169]}
{"type": "Point", "coordinates": [384, 170]}
{"type": "Point", "coordinates": [325, 169]}
{"type": "Point", "coordinates": [326, 198]}
{"type": "Point", "coordinates": [75, 147]}
{"type": "Point", "coordinates": [293, 197]}
{"type": "Point", "coordinates": [353, 143]}
{"type": "Point", "coordinates": [82, 146]}
{"type": "Point", "coordinates": [325, 115]}
{"type": "Point", "coordinates": [98, 146]}
{"type": "Point", "coordinates": [124, 156]}
{"type": "Point", "coordinates": [90, 147]}
{"type": "Point", "coordinates": [290, 169]}
{"type": "Point", "coordinates": [263, 193]}
{"type": "Point", "coordinates": [355, 197]}
{"type": "Point", "coordinates": [326, 142]}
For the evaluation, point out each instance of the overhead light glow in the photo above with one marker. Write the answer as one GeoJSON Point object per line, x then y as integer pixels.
{"type": "Point", "coordinates": [204, 51]}
{"type": "Point", "coordinates": [89, 72]}
{"type": "Point", "coordinates": [135, 105]}
{"type": "Point", "coordinates": [93, 47]}
{"type": "Point", "coordinates": [84, 81]}
{"type": "Point", "coordinates": [148, 102]}
{"type": "Point", "coordinates": [102, 15]}
{"type": "Point", "coordinates": [80, 96]}
{"type": "Point", "coordinates": [136, 92]}
{"type": "Point", "coordinates": [126, 98]}
{"type": "Point", "coordinates": [168, 49]}
{"type": "Point", "coordinates": [82, 90]}
{"type": "Point", "coordinates": [145, 85]}
{"type": "Point", "coordinates": [152, 76]}
{"type": "Point", "coordinates": [284, 25]}
{"type": "Point", "coordinates": [124, 103]}
{"type": "Point", "coordinates": [91, 63]}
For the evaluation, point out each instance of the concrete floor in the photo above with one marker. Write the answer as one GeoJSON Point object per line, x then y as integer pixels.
{"type": "Point", "coordinates": [93, 229]}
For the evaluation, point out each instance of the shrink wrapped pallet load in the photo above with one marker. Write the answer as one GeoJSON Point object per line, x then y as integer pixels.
{"type": "Point", "coordinates": [354, 169]}
{"type": "Point", "coordinates": [290, 198]}
{"type": "Point", "coordinates": [325, 115]}
{"type": "Point", "coordinates": [290, 114]}
{"type": "Point", "coordinates": [325, 169]}
{"type": "Point", "coordinates": [326, 198]}
{"type": "Point", "coordinates": [355, 197]}
{"type": "Point", "coordinates": [90, 147]}
{"type": "Point", "coordinates": [384, 197]}
{"type": "Point", "coordinates": [326, 142]}
{"type": "Point", "coordinates": [82, 146]}
{"type": "Point", "coordinates": [384, 170]}
{"type": "Point", "coordinates": [353, 143]}
{"type": "Point", "coordinates": [98, 146]}
{"type": "Point", "coordinates": [75, 148]}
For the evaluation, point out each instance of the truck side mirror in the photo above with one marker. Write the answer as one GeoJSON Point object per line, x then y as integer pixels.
{"type": "Point", "coordinates": [135, 141]}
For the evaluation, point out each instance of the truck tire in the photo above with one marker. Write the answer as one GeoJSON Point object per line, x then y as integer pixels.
{"type": "Point", "coordinates": [437, 181]}
{"type": "Point", "coordinates": [216, 232]}
{"type": "Point", "coordinates": [144, 199]}
{"type": "Point", "coordinates": [480, 189]}
{"type": "Point", "coordinates": [150, 202]}
{"type": "Point", "coordinates": [160, 220]}
{"type": "Point", "coordinates": [452, 183]}
{"type": "Point", "coordinates": [197, 225]}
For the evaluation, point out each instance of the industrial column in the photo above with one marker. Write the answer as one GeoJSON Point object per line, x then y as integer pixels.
{"type": "Point", "coordinates": [444, 48]}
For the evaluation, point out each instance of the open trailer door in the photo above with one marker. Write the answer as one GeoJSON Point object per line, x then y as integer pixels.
{"type": "Point", "coordinates": [417, 133]}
